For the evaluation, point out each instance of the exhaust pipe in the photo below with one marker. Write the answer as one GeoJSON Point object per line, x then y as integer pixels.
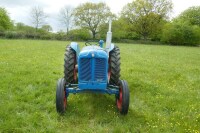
{"type": "Point", "coordinates": [109, 36]}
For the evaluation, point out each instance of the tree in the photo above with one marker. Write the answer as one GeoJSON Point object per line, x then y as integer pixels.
{"type": "Point", "coordinates": [79, 34]}
{"type": "Point", "coordinates": [120, 30]}
{"type": "Point", "coordinates": [5, 21]}
{"type": "Point", "coordinates": [46, 28]}
{"type": "Point", "coordinates": [20, 26]}
{"type": "Point", "coordinates": [91, 15]}
{"type": "Point", "coordinates": [192, 15]}
{"type": "Point", "coordinates": [38, 17]}
{"type": "Point", "coordinates": [66, 17]}
{"type": "Point", "coordinates": [144, 16]}
{"type": "Point", "coordinates": [25, 28]}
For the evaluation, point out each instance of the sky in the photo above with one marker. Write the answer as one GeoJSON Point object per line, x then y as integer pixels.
{"type": "Point", "coordinates": [19, 10]}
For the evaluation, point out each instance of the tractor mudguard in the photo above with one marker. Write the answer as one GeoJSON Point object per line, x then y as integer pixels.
{"type": "Point", "coordinates": [111, 47]}
{"type": "Point", "coordinates": [75, 47]}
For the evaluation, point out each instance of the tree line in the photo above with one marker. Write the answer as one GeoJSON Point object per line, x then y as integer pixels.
{"type": "Point", "coordinates": [147, 20]}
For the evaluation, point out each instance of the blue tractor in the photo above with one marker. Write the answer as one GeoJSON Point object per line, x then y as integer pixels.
{"type": "Point", "coordinates": [93, 69]}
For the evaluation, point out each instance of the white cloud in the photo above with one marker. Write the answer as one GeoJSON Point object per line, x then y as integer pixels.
{"type": "Point", "coordinates": [20, 9]}
{"type": "Point", "coordinates": [19, 14]}
{"type": "Point", "coordinates": [116, 6]}
{"type": "Point", "coordinates": [181, 5]}
{"type": "Point", "coordinates": [21, 3]}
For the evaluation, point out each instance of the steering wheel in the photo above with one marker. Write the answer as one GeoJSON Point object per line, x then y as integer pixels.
{"type": "Point", "coordinates": [92, 42]}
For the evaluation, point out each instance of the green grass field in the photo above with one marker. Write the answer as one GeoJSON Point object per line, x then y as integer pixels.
{"type": "Point", "coordinates": [164, 84]}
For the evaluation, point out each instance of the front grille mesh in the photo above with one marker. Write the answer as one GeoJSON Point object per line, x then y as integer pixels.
{"type": "Point", "coordinates": [85, 72]}
{"type": "Point", "coordinates": [100, 66]}
{"type": "Point", "coordinates": [97, 66]}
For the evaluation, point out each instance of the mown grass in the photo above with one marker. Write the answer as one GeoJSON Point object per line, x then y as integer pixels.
{"type": "Point", "coordinates": [164, 84]}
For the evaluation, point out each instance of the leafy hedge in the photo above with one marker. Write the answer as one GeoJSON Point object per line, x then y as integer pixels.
{"type": "Point", "coordinates": [181, 33]}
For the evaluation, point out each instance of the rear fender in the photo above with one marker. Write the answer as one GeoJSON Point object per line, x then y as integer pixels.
{"type": "Point", "coordinates": [111, 47]}
{"type": "Point", "coordinates": [76, 48]}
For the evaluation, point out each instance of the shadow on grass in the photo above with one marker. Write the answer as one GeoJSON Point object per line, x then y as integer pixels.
{"type": "Point", "coordinates": [100, 110]}
{"type": "Point", "coordinates": [89, 103]}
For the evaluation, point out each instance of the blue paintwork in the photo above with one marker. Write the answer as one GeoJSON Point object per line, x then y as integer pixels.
{"type": "Point", "coordinates": [104, 91]}
{"type": "Point", "coordinates": [76, 48]}
{"type": "Point", "coordinates": [92, 54]}
{"type": "Point", "coordinates": [90, 58]}
{"type": "Point", "coordinates": [101, 43]}
{"type": "Point", "coordinates": [73, 88]}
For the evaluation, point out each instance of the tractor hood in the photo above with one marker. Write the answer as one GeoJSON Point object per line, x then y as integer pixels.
{"type": "Point", "coordinates": [93, 52]}
{"type": "Point", "coordinates": [92, 68]}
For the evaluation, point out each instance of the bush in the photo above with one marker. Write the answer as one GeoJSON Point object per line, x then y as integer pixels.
{"type": "Point", "coordinates": [46, 36]}
{"type": "Point", "coordinates": [79, 34]}
{"type": "Point", "coordinates": [181, 33]}
{"type": "Point", "coordinates": [14, 35]}
{"type": "Point", "coordinates": [30, 35]}
{"type": "Point", "coordinates": [60, 36]}
{"type": "Point", "coordinates": [43, 34]}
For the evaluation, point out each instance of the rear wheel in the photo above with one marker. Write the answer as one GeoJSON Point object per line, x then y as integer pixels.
{"type": "Point", "coordinates": [61, 99]}
{"type": "Point", "coordinates": [114, 66]}
{"type": "Point", "coordinates": [70, 73]}
{"type": "Point", "coordinates": [122, 100]}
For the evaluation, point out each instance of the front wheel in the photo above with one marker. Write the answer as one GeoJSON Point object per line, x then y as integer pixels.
{"type": "Point", "coordinates": [61, 99]}
{"type": "Point", "coordinates": [122, 100]}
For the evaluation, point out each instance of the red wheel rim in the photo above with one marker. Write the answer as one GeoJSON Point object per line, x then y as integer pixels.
{"type": "Point", "coordinates": [109, 73]}
{"type": "Point", "coordinates": [65, 100]}
{"type": "Point", "coordinates": [119, 99]}
{"type": "Point", "coordinates": [75, 75]}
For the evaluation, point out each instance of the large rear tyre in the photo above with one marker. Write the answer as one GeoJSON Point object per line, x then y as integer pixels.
{"type": "Point", "coordinates": [114, 66]}
{"type": "Point", "coordinates": [122, 100]}
{"type": "Point", "coordinates": [70, 72]}
{"type": "Point", "coordinates": [61, 99]}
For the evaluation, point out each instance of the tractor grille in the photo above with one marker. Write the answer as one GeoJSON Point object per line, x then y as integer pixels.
{"type": "Point", "coordinates": [100, 73]}
{"type": "Point", "coordinates": [86, 71]}
{"type": "Point", "coordinates": [92, 69]}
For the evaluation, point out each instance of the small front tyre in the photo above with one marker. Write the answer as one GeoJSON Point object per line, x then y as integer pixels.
{"type": "Point", "coordinates": [61, 99]}
{"type": "Point", "coordinates": [122, 100]}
